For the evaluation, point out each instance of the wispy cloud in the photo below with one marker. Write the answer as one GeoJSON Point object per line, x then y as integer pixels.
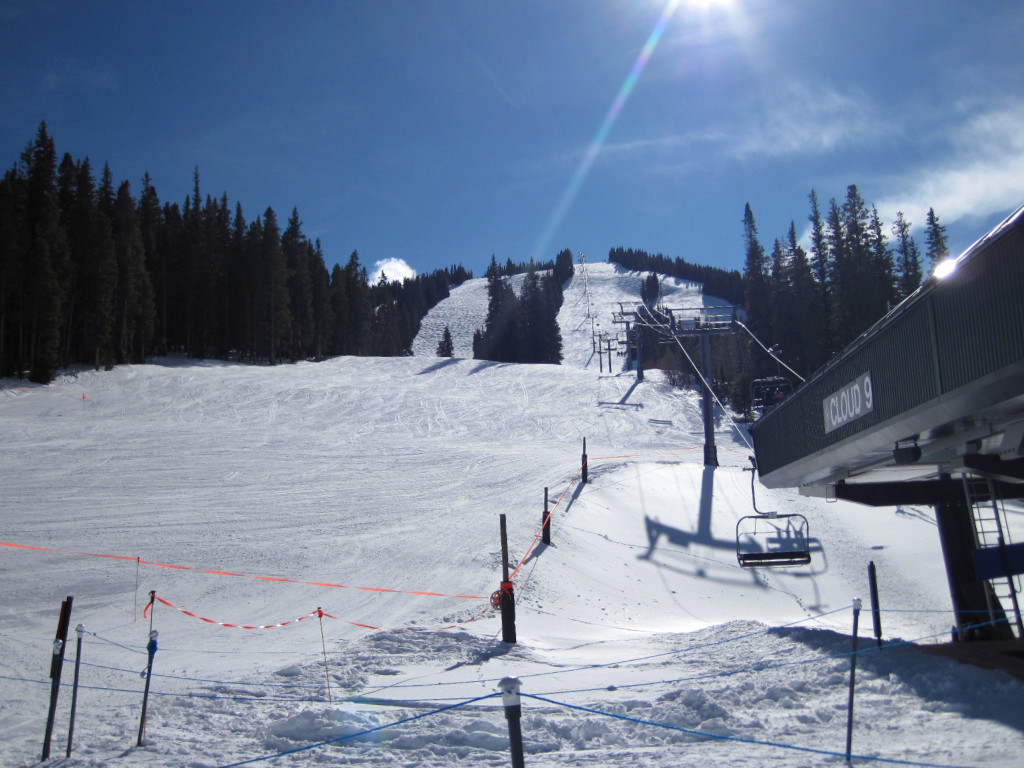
{"type": "Point", "coordinates": [799, 119]}
{"type": "Point", "coordinates": [802, 118]}
{"type": "Point", "coordinates": [980, 173]}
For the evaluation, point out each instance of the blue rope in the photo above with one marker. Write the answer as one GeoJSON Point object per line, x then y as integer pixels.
{"type": "Point", "coordinates": [105, 640]}
{"type": "Point", "coordinates": [362, 733]}
{"type": "Point", "coordinates": [201, 679]}
{"type": "Point", "coordinates": [739, 739]}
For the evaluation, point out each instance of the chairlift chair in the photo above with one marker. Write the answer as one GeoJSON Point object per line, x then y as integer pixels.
{"type": "Point", "coordinates": [771, 539]}
{"type": "Point", "coordinates": [768, 392]}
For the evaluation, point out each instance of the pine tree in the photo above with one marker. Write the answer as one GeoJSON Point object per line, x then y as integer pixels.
{"type": "Point", "coordinates": [278, 312]}
{"type": "Point", "coordinates": [46, 255]}
{"type": "Point", "coordinates": [935, 238]}
{"type": "Point", "coordinates": [445, 347]}
{"type": "Point", "coordinates": [497, 340]}
{"type": "Point", "coordinates": [12, 283]}
{"type": "Point", "coordinates": [908, 259]}
{"type": "Point", "coordinates": [804, 338]}
{"type": "Point", "coordinates": [134, 304]}
{"type": "Point", "coordinates": [755, 278]}
{"type": "Point", "coordinates": [323, 315]}
{"type": "Point", "coordinates": [883, 270]}
{"type": "Point", "coordinates": [150, 226]}
{"type": "Point", "coordinates": [300, 288]}
{"type": "Point", "coordinates": [820, 303]}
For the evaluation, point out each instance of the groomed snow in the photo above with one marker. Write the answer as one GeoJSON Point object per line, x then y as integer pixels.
{"type": "Point", "coordinates": [644, 640]}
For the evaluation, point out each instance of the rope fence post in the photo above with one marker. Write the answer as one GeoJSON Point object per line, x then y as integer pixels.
{"type": "Point", "coordinates": [545, 520]}
{"type": "Point", "coordinates": [323, 647]}
{"type": "Point", "coordinates": [80, 629]}
{"type": "Point", "coordinates": [151, 649]}
{"type": "Point", "coordinates": [513, 714]}
{"type": "Point", "coordinates": [56, 665]}
{"type": "Point", "coordinates": [853, 679]}
{"type": "Point", "coordinates": [583, 471]}
{"type": "Point", "coordinates": [876, 613]}
{"type": "Point", "coordinates": [506, 598]}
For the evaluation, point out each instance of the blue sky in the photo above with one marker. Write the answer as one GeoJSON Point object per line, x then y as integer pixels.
{"type": "Point", "coordinates": [444, 131]}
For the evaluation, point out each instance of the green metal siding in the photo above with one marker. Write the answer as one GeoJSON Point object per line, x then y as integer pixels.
{"type": "Point", "coordinates": [980, 322]}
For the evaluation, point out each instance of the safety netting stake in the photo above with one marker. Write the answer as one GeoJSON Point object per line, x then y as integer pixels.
{"type": "Point", "coordinates": [56, 666]}
{"type": "Point", "coordinates": [80, 630]}
{"type": "Point", "coordinates": [509, 687]}
{"type": "Point", "coordinates": [506, 595]}
{"type": "Point", "coordinates": [148, 674]}
{"type": "Point", "coordinates": [323, 647]}
{"type": "Point", "coordinates": [853, 679]}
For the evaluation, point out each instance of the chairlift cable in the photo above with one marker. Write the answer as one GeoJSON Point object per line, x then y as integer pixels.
{"type": "Point", "coordinates": [659, 328]}
{"type": "Point", "coordinates": [770, 353]}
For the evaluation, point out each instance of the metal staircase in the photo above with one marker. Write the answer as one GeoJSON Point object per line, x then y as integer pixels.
{"type": "Point", "coordinates": [992, 536]}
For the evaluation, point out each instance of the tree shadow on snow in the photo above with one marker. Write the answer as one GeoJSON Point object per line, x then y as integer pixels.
{"type": "Point", "coordinates": [442, 363]}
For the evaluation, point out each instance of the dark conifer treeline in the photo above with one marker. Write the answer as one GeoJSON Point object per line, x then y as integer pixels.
{"type": "Point", "coordinates": [720, 283]}
{"type": "Point", "coordinates": [806, 305]}
{"type": "Point", "coordinates": [88, 274]}
{"type": "Point", "coordinates": [523, 328]}
{"type": "Point", "coordinates": [809, 305]}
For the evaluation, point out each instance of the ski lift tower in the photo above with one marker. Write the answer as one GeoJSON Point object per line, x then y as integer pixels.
{"type": "Point", "coordinates": [685, 322]}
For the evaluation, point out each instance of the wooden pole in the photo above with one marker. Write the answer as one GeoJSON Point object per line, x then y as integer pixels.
{"type": "Point", "coordinates": [876, 614]}
{"type": "Point", "coordinates": [507, 600]}
{"type": "Point", "coordinates": [513, 714]}
{"type": "Point", "coordinates": [853, 679]}
{"type": "Point", "coordinates": [545, 521]}
{"type": "Point", "coordinates": [56, 666]}
{"type": "Point", "coordinates": [151, 649]}
{"type": "Point", "coordinates": [584, 470]}
{"type": "Point", "coordinates": [80, 629]}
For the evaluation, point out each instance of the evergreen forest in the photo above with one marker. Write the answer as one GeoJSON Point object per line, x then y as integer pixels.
{"type": "Point", "coordinates": [523, 328]}
{"type": "Point", "coordinates": [804, 305]}
{"type": "Point", "coordinates": [90, 274]}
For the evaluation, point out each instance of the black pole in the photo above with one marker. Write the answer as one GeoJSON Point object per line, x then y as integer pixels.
{"type": "Point", "coordinates": [151, 647]}
{"type": "Point", "coordinates": [80, 629]}
{"type": "Point", "coordinates": [584, 470]}
{"type": "Point", "coordinates": [507, 598]}
{"type": "Point", "coordinates": [853, 679]}
{"type": "Point", "coordinates": [56, 665]}
{"type": "Point", "coordinates": [545, 521]}
{"type": "Point", "coordinates": [710, 449]}
{"type": "Point", "coordinates": [639, 354]}
{"type": "Point", "coordinates": [876, 613]}
{"type": "Point", "coordinates": [513, 713]}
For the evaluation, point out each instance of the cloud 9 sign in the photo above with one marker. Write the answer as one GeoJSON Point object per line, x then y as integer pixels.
{"type": "Point", "coordinates": [848, 404]}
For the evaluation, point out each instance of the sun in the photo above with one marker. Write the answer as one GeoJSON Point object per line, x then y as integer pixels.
{"type": "Point", "coordinates": [709, 4]}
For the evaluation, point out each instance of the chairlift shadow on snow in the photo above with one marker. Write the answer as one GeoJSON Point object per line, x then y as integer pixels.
{"type": "Point", "coordinates": [624, 400]}
{"type": "Point", "coordinates": [727, 569]}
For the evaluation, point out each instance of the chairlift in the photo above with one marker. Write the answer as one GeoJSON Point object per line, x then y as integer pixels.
{"type": "Point", "coordinates": [771, 539]}
{"type": "Point", "coordinates": [768, 392]}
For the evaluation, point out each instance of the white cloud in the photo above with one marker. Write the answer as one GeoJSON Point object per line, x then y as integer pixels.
{"type": "Point", "coordinates": [393, 269]}
{"type": "Point", "coordinates": [794, 119]}
{"type": "Point", "coordinates": [800, 119]}
{"type": "Point", "coordinates": [982, 174]}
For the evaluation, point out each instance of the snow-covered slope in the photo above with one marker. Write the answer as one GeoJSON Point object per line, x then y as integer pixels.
{"type": "Point", "coordinates": [254, 496]}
